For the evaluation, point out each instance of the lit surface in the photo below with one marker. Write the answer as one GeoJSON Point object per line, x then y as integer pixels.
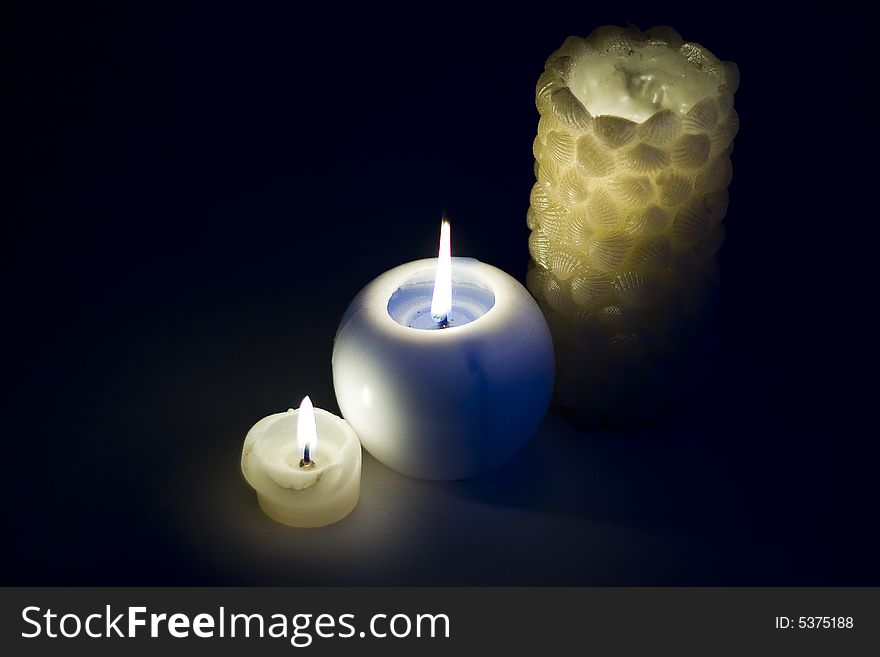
{"type": "Point", "coordinates": [633, 510]}
{"type": "Point", "coordinates": [306, 427]}
{"type": "Point", "coordinates": [441, 302]}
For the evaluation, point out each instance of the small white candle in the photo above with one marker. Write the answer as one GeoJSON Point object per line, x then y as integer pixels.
{"type": "Point", "coordinates": [443, 390]}
{"type": "Point", "coordinates": [305, 465]}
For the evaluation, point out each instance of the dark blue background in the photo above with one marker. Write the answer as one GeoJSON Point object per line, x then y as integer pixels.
{"type": "Point", "coordinates": [199, 191]}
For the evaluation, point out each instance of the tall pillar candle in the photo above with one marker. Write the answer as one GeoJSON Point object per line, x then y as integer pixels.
{"type": "Point", "coordinates": [632, 166]}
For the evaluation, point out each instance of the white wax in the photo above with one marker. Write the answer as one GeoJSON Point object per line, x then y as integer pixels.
{"type": "Point", "coordinates": [637, 85]}
{"type": "Point", "coordinates": [443, 403]}
{"type": "Point", "coordinates": [291, 494]}
{"type": "Point", "coordinates": [410, 305]}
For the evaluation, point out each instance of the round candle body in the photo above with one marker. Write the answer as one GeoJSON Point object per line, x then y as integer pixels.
{"type": "Point", "coordinates": [443, 403]}
{"type": "Point", "coordinates": [632, 160]}
{"type": "Point", "coordinates": [297, 496]}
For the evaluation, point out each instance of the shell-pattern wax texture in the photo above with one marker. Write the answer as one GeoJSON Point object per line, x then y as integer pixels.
{"type": "Point", "coordinates": [626, 211]}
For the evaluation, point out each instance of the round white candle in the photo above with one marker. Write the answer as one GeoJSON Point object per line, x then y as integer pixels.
{"type": "Point", "coordinates": [443, 400]}
{"type": "Point", "coordinates": [301, 481]}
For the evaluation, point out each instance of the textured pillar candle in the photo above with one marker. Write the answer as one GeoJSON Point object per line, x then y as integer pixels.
{"type": "Point", "coordinates": [305, 465]}
{"type": "Point", "coordinates": [632, 166]}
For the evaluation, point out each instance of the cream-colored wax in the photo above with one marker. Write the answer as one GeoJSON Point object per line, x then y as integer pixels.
{"type": "Point", "coordinates": [632, 167]}
{"type": "Point", "coordinates": [322, 493]}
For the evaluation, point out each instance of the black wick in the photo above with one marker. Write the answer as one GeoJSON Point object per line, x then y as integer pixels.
{"type": "Point", "coordinates": [306, 461]}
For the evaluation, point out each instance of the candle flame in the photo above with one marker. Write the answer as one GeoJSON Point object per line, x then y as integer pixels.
{"type": "Point", "coordinates": [441, 302]}
{"type": "Point", "coordinates": [306, 427]}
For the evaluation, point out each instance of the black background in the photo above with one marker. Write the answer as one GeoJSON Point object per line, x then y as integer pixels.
{"type": "Point", "coordinates": [198, 192]}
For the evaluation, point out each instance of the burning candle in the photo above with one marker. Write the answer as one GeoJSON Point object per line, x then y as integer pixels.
{"type": "Point", "coordinates": [444, 366]}
{"type": "Point", "coordinates": [305, 465]}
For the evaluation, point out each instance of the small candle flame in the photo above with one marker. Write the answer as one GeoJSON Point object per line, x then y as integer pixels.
{"type": "Point", "coordinates": [307, 429]}
{"type": "Point", "coordinates": [441, 302]}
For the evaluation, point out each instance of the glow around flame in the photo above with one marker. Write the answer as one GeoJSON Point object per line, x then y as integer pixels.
{"type": "Point", "coordinates": [441, 302]}
{"type": "Point", "coordinates": [307, 427]}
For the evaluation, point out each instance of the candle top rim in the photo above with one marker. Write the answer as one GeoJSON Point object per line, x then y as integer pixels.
{"type": "Point", "coordinates": [624, 41]}
{"type": "Point", "coordinates": [464, 276]}
{"type": "Point", "coordinates": [335, 436]}
{"type": "Point", "coordinates": [371, 303]}
{"type": "Point", "coordinates": [611, 43]}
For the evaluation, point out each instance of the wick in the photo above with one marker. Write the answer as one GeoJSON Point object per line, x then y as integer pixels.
{"type": "Point", "coordinates": [306, 463]}
{"type": "Point", "coordinates": [444, 323]}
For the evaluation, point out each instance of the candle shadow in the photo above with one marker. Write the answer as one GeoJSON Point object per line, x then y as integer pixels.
{"type": "Point", "coordinates": [654, 478]}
